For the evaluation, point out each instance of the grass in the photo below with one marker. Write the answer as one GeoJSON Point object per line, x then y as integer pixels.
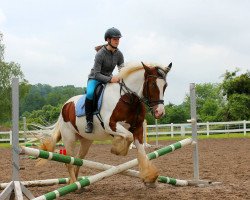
{"type": "Point", "coordinates": [201, 137]}
{"type": "Point", "coordinates": [175, 138]}
{"type": "Point", "coordinates": [4, 145]}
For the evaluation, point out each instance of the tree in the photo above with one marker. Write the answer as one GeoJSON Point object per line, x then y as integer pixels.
{"type": "Point", "coordinates": [175, 114]}
{"type": "Point", "coordinates": [209, 102]}
{"type": "Point", "coordinates": [1, 47]}
{"type": "Point", "coordinates": [236, 90]}
{"type": "Point", "coordinates": [47, 115]}
{"type": "Point", "coordinates": [7, 72]}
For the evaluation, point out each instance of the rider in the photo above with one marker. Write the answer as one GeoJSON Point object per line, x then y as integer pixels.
{"type": "Point", "coordinates": [107, 57]}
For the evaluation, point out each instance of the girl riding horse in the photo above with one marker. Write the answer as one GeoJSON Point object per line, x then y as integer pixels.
{"type": "Point", "coordinates": [123, 113]}
{"type": "Point", "coordinates": [107, 57]}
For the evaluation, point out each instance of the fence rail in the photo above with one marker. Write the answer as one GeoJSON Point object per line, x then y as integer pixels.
{"type": "Point", "coordinates": [206, 128]}
{"type": "Point", "coordinates": [24, 135]}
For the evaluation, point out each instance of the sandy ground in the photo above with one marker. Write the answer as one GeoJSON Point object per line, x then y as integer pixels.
{"type": "Point", "coordinates": [224, 160]}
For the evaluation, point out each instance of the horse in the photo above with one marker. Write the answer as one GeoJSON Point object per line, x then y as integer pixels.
{"type": "Point", "coordinates": [123, 112]}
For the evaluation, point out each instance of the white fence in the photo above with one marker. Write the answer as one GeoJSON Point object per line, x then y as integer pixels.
{"type": "Point", "coordinates": [206, 128]}
{"type": "Point", "coordinates": [161, 129]}
{"type": "Point", "coordinates": [25, 135]}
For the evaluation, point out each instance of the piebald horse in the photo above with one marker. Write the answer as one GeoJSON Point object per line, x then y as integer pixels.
{"type": "Point", "coordinates": [123, 112]}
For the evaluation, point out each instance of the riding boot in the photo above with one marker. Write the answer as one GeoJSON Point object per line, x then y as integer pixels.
{"type": "Point", "coordinates": [89, 115]}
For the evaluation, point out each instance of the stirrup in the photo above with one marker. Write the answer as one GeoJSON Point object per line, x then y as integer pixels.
{"type": "Point", "coordinates": [89, 127]}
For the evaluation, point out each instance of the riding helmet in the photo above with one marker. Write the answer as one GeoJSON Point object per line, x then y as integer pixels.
{"type": "Point", "coordinates": [112, 33]}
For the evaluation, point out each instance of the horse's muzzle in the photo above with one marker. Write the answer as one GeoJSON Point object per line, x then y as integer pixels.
{"type": "Point", "coordinates": [158, 111]}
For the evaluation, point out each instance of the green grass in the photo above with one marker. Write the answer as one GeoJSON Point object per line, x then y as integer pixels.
{"type": "Point", "coordinates": [201, 137]}
{"type": "Point", "coordinates": [166, 138]}
{"type": "Point", "coordinates": [4, 145]}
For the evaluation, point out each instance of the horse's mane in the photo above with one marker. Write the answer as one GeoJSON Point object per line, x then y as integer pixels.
{"type": "Point", "coordinates": [132, 67]}
{"type": "Point", "coordinates": [129, 68]}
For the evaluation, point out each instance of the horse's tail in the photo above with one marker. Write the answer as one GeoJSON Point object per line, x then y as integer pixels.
{"type": "Point", "coordinates": [49, 143]}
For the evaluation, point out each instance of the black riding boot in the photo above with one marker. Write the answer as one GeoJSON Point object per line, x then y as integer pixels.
{"type": "Point", "coordinates": [89, 115]}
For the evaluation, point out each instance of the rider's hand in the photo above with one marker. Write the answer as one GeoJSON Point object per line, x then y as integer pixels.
{"type": "Point", "coordinates": [115, 79]}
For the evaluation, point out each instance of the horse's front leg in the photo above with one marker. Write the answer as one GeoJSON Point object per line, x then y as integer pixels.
{"type": "Point", "coordinates": [148, 171]}
{"type": "Point", "coordinates": [122, 139]}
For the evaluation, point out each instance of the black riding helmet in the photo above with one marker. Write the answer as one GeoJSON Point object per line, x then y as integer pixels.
{"type": "Point", "coordinates": [112, 33]}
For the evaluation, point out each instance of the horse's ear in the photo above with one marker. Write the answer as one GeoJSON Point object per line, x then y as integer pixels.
{"type": "Point", "coordinates": [147, 69]}
{"type": "Point", "coordinates": [167, 69]}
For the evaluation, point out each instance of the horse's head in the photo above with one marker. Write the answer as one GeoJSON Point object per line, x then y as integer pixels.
{"type": "Point", "coordinates": [154, 87]}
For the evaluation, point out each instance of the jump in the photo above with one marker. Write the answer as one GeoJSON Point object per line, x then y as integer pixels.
{"type": "Point", "coordinates": [122, 112]}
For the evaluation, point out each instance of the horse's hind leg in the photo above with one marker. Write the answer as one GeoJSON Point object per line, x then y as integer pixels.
{"type": "Point", "coordinates": [69, 138]}
{"type": "Point", "coordinates": [83, 150]}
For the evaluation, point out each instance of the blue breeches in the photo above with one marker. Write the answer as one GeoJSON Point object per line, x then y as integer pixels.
{"type": "Point", "coordinates": [92, 83]}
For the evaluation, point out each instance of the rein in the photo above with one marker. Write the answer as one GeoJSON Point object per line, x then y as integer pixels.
{"type": "Point", "coordinates": [132, 96]}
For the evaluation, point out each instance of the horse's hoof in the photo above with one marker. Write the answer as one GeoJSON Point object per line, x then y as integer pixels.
{"type": "Point", "coordinates": [150, 185]}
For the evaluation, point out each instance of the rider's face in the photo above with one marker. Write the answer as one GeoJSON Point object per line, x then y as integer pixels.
{"type": "Point", "coordinates": [115, 41]}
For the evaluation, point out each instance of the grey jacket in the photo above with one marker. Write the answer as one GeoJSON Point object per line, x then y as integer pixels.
{"type": "Point", "coordinates": [105, 62]}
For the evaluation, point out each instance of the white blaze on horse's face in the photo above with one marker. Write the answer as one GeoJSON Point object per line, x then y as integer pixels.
{"type": "Point", "coordinates": [159, 110]}
{"type": "Point", "coordinates": [154, 87]}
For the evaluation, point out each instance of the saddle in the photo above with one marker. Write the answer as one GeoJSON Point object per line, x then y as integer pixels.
{"type": "Point", "coordinates": [97, 102]}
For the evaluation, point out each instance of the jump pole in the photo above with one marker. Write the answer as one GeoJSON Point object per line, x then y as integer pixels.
{"type": "Point", "coordinates": [95, 165]}
{"type": "Point", "coordinates": [79, 162]}
{"type": "Point", "coordinates": [112, 171]}
{"type": "Point", "coordinates": [49, 182]}
{"type": "Point", "coordinates": [98, 166]}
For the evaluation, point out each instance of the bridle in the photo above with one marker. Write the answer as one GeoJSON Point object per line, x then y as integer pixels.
{"type": "Point", "coordinates": [146, 99]}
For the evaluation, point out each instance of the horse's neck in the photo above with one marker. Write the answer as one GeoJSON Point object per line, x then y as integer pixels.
{"type": "Point", "coordinates": [135, 82]}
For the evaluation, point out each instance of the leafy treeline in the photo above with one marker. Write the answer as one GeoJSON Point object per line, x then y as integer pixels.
{"type": "Point", "coordinates": [226, 101]}
{"type": "Point", "coordinates": [41, 103]}
{"type": "Point", "coordinates": [7, 71]}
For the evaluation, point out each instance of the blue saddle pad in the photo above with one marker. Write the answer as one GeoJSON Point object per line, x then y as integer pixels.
{"type": "Point", "coordinates": [80, 105]}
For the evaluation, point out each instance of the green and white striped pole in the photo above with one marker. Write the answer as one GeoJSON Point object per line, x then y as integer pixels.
{"type": "Point", "coordinates": [98, 166]}
{"type": "Point", "coordinates": [37, 144]}
{"type": "Point", "coordinates": [113, 170]}
{"type": "Point", "coordinates": [172, 181]}
{"type": "Point", "coordinates": [51, 156]}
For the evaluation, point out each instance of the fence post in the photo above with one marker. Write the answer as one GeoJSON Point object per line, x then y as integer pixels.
{"type": "Point", "coordinates": [24, 129]}
{"type": "Point", "coordinates": [172, 130]}
{"type": "Point", "coordinates": [245, 127]}
{"type": "Point", "coordinates": [182, 130]}
{"type": "Point", "coordinates": [156, 131]}
{"type": "Point", "coordinates": [10, 137]}
{"type": "Point", "coordinates": [207, 129]}
{"type": "Point", "coordinates": [145, 141]}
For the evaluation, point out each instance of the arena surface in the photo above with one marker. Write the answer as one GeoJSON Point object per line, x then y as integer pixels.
{"type": "Point", "coordinates": [224, 160]}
